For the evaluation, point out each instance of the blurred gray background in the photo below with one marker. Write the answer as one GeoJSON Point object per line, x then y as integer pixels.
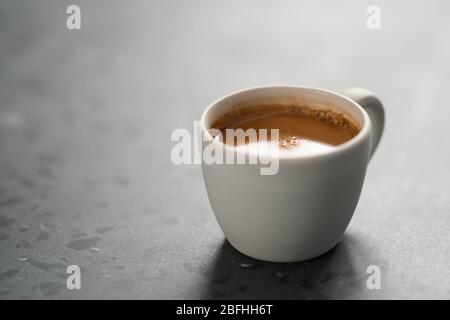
{"type": "Point", "coordinates": [85, 123]}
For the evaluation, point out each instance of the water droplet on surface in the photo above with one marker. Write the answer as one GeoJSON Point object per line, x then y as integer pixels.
{"type": "Point", "coordinates": [45, 266]}
{"type": "Point", "coordinates": [8, 274]}
{"type": "Point", "coordinates": [103, 229]}
{"type": "Point", "coordinates": [83, 244]}
{"type": "Point", "coordinates": [43, 235]}
{"type": "Point", "coordinates": [51, 288]}
{"type": "Point", "coordinates": [24, 244]}
{"type": "Point", "coordinates": [282, 277]}
{"type": "Point", "coordinates": [250, 266]}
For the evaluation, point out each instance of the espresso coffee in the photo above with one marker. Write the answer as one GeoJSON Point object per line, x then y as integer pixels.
{"type": "Point", "coordinates": [301, 128]}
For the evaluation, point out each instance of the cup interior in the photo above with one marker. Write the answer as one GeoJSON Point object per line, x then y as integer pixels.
{"type": "Point", "coordinates": [314, 98]}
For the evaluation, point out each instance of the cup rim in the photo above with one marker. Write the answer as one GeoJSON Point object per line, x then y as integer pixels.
{"type": "Point", "coordinates": [362, 134]}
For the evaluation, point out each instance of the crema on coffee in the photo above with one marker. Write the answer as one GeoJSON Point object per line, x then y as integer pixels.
{"type": "Point", "coordinates": [301, 128]}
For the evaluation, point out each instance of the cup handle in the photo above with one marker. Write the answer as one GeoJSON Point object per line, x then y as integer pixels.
{"type": "Point", "coordinates": [373, 106]}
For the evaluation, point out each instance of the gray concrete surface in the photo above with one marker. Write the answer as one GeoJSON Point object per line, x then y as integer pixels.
{"type": "Point", "coordinates": [85, 123]}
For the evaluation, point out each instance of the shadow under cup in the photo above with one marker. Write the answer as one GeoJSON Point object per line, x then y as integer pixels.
{"type": "Point", "coordinates": [302, 209]}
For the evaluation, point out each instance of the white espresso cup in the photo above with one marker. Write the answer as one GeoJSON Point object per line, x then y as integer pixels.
{"type": "Point", "coordinates": [302, 211]}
